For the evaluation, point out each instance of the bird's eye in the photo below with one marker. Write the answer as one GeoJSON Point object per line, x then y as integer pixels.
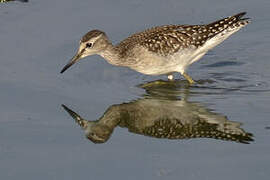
{"type": "Point", "coordinates": [88, 45]}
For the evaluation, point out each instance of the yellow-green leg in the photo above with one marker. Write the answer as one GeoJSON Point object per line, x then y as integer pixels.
{"type": "Point", "coordinates": [190, 80]}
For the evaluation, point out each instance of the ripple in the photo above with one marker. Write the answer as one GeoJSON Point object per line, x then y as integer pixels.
{"type": "Point", "coordinates": [224, 63]}
{"type": "Point", "coordinates": [218, 83]}
{"type": "Point", "coordinates": [242, 82]}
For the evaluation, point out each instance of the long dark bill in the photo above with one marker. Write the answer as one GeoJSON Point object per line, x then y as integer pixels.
{"type": "Point", "coordinates": [75, 116]}
{"type": "Point", "coordinates": [76, 58]}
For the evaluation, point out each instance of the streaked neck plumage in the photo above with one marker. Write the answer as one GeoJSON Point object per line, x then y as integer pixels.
{"type": "Point", "coordinates": [111, 54]}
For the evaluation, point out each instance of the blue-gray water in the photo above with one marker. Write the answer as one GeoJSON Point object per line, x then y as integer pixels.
{"type": "Point", "coordinates": [39, 140]}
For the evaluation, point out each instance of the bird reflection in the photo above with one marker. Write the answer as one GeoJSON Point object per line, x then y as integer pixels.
{"type": "Point", "coordinates": [161, 113]}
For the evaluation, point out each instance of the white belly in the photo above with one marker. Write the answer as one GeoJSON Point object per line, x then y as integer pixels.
{"type": "Point", "coordinates": [153, 64]}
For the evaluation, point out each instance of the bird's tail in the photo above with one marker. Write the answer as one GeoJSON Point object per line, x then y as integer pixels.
{"type": "Point", "coordinates": [229, 24]}
{"type": "Point", "coordinates": [235, 20]}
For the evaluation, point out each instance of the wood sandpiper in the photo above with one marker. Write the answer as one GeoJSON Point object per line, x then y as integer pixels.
{"type": "Point", "coordinates": [162, 118]}
{"type": "Point", "coordinates": [160, 50]}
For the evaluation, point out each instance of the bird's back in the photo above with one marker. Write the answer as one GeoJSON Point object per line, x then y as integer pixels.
{"type": "Point", "coordinates": [169, 39]}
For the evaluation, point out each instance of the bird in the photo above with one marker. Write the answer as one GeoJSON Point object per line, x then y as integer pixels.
{"type": "Point", "coordinates": [162, 118]}
{"type": "Point", "coordinates": [161, 50]}
{"type": "Point", "coordinates": [161, 113]}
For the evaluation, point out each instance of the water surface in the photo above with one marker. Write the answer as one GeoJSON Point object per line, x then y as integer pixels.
{"type": "Point", "coordinates": [39, 139]}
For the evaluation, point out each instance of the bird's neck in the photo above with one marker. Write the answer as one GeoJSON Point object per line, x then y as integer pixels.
{"type": "Point", "coordinates": [112, 55]}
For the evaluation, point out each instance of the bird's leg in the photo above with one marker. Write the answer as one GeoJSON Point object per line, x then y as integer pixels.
{"type": "Point", "coordinates": [170, 77]}
{"type": "Point", "coordinates": [190, 80]}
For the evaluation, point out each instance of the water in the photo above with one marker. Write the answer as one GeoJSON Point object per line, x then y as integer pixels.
{"type": "Point", "coordinates": [38, 138]}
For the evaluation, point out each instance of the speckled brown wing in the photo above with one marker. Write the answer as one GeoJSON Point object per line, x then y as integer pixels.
{"type": "Point", "coordinates": [172, 40]}
{"type": "Point", "coordinates": [168, 39]}
{"type": "Point", "coordinates": [144, 38]}
{"type": "Point", "coordinates": [174, 129]}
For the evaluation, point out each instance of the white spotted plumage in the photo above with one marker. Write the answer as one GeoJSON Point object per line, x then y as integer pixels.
{"type": "Point", "coordinates": [164, 49]}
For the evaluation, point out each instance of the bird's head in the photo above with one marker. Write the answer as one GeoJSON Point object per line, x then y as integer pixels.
{"type": "Point", "coordinates": [93, 42]}
{"type": "Point", "coordinates": [97, 132]}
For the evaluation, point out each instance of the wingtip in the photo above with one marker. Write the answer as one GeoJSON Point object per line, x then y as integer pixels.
{"type": "Point", "coordinates": [240, 15]}
{"type": "Point", "coordinates": [243, 13]}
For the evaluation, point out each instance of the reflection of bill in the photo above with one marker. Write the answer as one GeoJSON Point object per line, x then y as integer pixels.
{"type": "Point", "coordinates": [2, 1]}
{"type": "Point", "coordinates": [162, 118]}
